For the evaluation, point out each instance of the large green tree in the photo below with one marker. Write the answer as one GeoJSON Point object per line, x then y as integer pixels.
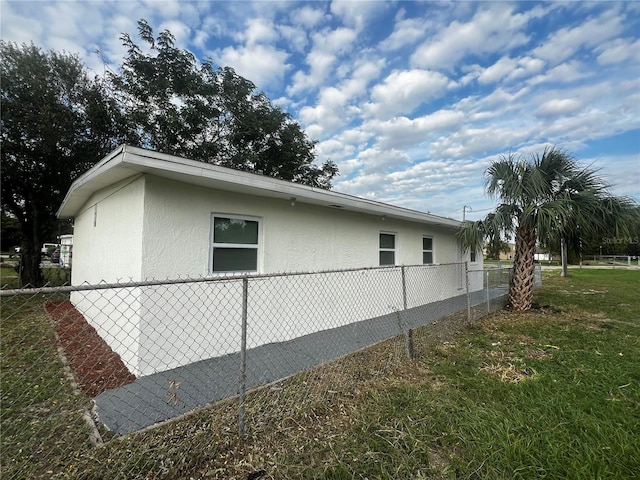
{"type": "Point", "coordinates": [55, 123]}
{"type": "Point", "coordinates": [181, 106]}
{"type": "Point", "coordinates": [544, 196]}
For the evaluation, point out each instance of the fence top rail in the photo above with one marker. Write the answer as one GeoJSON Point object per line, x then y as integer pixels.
{"type": "Point", "coordinates": [204, 279]}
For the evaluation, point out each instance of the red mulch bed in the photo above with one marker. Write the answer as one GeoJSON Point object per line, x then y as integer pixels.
{"type": "Point", "coordinates": [95, 366]}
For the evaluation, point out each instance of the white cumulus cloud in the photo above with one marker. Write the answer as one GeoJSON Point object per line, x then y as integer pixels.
{"type": "Point", "coordinates": [403, 91]}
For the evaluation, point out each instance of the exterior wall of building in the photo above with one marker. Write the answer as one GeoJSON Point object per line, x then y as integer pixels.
{"type": "Point", "coordinates": [177, 233]}
{"type": "Point", "coordinates": [107, 248]}
{"type": "Point", "coordinates": [184, 323]}
{"type": "Point", "coordinates": [108, 235]}
{"type": "Point", "coordinates": [163, 231]}
{"type": "Point", "coordinates": [510, 254]}
{"type": "Point", "coordinates": [116, 316]}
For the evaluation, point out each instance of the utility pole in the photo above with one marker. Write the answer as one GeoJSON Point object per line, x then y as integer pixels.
{"type": "Point", "coordinates": [464, 211]}
{"type": "Point", "coordinates": [563, 256]}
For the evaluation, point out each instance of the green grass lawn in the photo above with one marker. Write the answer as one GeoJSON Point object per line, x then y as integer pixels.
{"type": "Point", "coordinates": [8, 278]}
{"type": "Point", "coordinates": [53, 276]}
{"type": "Point", "coordinates": [41, 416]}
{"type": "Point", "coordinates": [554, 393]}
{"type": "Point", "coordinates": [550, 394]}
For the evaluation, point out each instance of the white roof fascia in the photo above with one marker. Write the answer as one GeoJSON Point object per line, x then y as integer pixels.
{"type": "Point", "coordinates": [127, 161]}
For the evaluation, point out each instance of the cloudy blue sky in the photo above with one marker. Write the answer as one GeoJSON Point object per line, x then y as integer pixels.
{"type": "Point", "coordinates": [412, 100]}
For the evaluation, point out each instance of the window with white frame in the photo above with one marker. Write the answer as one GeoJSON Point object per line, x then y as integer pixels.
{"type": "Point", "coordinates": [427, 250]}
{"type": "Point", "coordinates": [234, 243]}
{"type": "Point", "coordinates": [473, 256]}
{"type": "Point", "coordinates": [387, 248]}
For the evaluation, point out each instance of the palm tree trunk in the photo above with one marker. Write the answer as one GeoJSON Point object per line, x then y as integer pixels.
{"type": "Point", "coordinates": [521, 288]}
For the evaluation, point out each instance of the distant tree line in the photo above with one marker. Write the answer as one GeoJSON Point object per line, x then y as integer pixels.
{"type": "Point", "coordinates": [57, 121]}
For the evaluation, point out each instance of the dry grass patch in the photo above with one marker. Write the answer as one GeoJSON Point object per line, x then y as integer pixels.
{"type": "Point", "coordinates": [538, 354]}
{"type": "Point", "coordinates": [509, 372]}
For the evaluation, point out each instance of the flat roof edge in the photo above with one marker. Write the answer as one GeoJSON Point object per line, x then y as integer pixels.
{"type": "Point", "coordinates": [275, 184]}
{"type": "Point", "coordinates": [147, 161]}
{"type": "Point", "coordinates": [86, 177]}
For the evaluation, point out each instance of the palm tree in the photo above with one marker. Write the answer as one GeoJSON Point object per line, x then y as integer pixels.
{"type": "Point", "coordinates": [544, 196]}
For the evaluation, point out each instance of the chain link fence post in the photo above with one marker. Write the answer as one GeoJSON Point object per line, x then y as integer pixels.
{"type": "Point", "coordinates": [408, 332]}
{"type": "Point", "coordinates": [488, 293]}
{"type": "Point", "coordinates": [466, 276]}
{"type": "Point", "coordinates": [404, 288]}
{"type": "Point", "coordinates": [243, 360]}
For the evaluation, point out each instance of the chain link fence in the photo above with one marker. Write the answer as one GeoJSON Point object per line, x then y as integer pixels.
{"type": "Point", "coordinates": [613, 261]}
{"type": "Point", "coordinates": [87, 370]}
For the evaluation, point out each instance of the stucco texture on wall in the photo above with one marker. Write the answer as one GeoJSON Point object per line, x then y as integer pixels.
{"type": "Point", "coordinates": [153, 228]}
{"type": "Point", "coordinates": [108, 235]}
{"type": "Point", "coordinates": [177, 233]}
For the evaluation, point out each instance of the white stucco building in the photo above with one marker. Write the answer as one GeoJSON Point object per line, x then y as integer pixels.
{"type": "Point", "coordinates": [140, 215]}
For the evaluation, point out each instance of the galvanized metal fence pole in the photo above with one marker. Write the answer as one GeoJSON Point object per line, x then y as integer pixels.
{"type": "Point", "coordinates": [20, 268]}
{"type": "Point", "coordinates": [404, 288]}
{"type": "Point", "coordinates": [243, 360]}
{"type": "Point", "coordinates": [466, 276]}
{"type": "Point", "coordinates": [408, 332]}
{"type": "Point", "coordinates": [488, 294]}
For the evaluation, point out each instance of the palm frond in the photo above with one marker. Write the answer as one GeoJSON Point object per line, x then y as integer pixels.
{"type": "Point", "coordinates": [504, 217]}
{"type": "Point", "coordinates": [585, 179]}
{"type": "Point", "coordinates": [471, 236]}
{"type": "Point", "coordinates": [555, 163]}
{"type": "Point", "coordinates": [503, 178]}
{"type": "Point", "coordinates": [554, 218]}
